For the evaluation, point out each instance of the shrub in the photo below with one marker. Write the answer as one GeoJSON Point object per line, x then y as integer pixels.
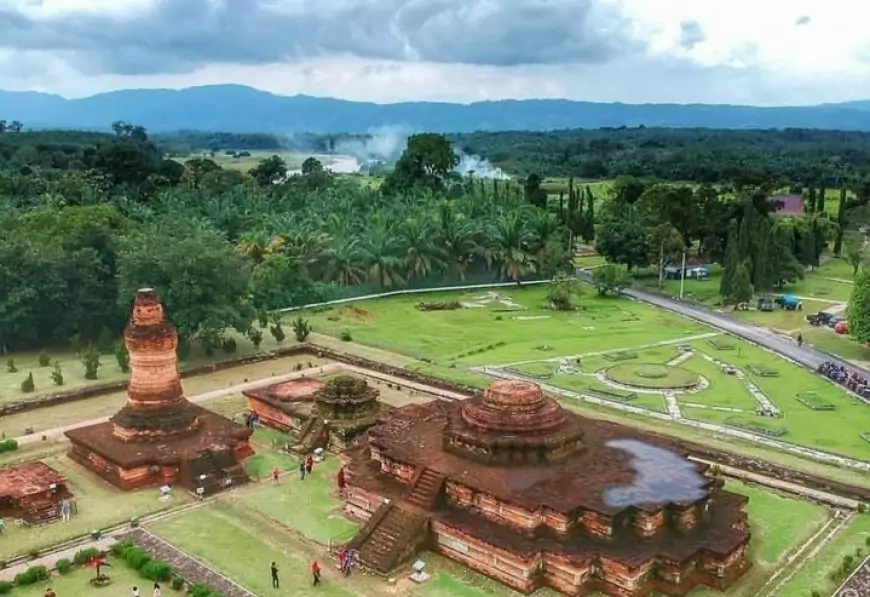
{"type": "Point", "coordinates": [64, 566]}
{"type": "Point", "coordinates": [44, 359]}
{"type": "Point", "coordinates": [199, 590]}
{"type": "Point", "coordinates": [345, 335]}
{"type": "Point", "coordinates": [278, 333]}
{"type": "Point", "coordinates": [123, 357]}
{"type": "Point", "coordinates": [156, 571]}
{"type": "Point", "coordinates": [256, 337]}
{"type": "Point", "coordinates": [10, 366]}
{"type": "Point", "coordinates": [28, 384]}
{"type": "Point", "coordinates": [117, 549]}
{"type": "Point", "coordinates": [5, 587]}
{"type": "Point", "coordinates": [301, 329]}
{"type": "Point", "coordinates": [136, 558]}
{"type": "Point", "coordinates": [57, 374]}
{"type": "Point", "coordinates": [91, 360]}
{"type": "Point", "coordinates": [32, 575]}
{"type": "Point", "coordinates": [8, 445]}
{"type": "Point", "coordinates": [83, 556]}
{"type": "Point", "coordinates": [229, 345]}
{"type": "Point", "coordinates": [177, 583]}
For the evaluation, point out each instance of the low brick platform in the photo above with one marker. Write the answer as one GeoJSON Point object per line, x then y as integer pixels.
{"type": "Point", "coordinates": [188, 567]}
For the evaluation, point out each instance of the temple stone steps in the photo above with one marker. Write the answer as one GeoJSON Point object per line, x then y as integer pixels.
{"type": "Point", "coordinates": [397, 533]}
{"type": "Point", "coordinates": [43, 512]}
{"type": "Point", "coordinates": [309, 436]}
{"type": "Point", "coordinates": [427, 489]}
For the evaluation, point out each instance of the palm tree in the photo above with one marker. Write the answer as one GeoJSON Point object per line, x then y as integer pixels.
{"type": "Point", "coordinates": [456, 236]}
{"type": "Point", "coordinates": [419, 248]}
{"type": "Point", "coordinates": [344, 261]}
{"type": "Point", "coordinates": [380, 253]}
{"type": "Point", "coordinates": [510, 246]}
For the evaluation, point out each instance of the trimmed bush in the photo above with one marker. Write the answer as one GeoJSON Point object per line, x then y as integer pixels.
{"type": "Point", "coordinates": [28, 385]}
{"type": "Point", "coordinates": [156, 571]}
{"type": "Point", "coordinates": [118, 548]}
{"type": "Point", "coordinates": [64, 566]}
{"type": "Point", "coordinates": [32, 575]}
{"type": "Point", "coordinates": [136, 558]}
{"type": "Point", "coordinates": [177, 583]}
{"type": "Point", "coordinates": [8, 445]}
{"type": "Point", "coordinates": [762, 370]}
{"type": "Point", "coordinates": [229, 345]}
{"type": "Point", "coordinates": [44, 359]}
{"type": "Point", "coordinates": [345, 336]}
{"type": "Point", "coordinates": [5, 587]}
{"type": "Point", "coordinates": [83, 556]}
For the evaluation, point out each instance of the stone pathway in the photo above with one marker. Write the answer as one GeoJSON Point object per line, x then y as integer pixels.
{"type": "Point", "coordinates": [765, 405]}
{"type": "Point", "coordinates": [681, 358]}
{"type": "Point", "coordinates": [858, 583]}
{"type": "Point", "coordinates": [673, 406]}
{"type": "Point", "coordinates": [188, 567]}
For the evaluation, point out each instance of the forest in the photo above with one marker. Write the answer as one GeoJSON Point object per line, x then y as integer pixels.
{"type": "Point", "coordinates": [86, 219]}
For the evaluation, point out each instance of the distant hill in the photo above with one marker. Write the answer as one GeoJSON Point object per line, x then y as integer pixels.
{"type": "Point", "coordinates": [234, 108]}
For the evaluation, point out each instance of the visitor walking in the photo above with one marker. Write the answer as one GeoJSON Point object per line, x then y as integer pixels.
{"type": "Point", "coordinates": [275, 583]}
{"type": "Point", "coordinates": [157, 591]}
{"type": "Point", "coordinates": [302, 468]}
{"type": "Point", "coordinates": [342, 481]}
{"type": "Point", "coordinates": [309, 464]}
{"type": "Point", "coordinates": [800, 339]}
{"type": "Point", "coordinates": [65, 510]}
{"type": "Point", "coordinates": [2, 525]}
{"type": "Point", "coordinates": [49, 593]}
{"type": "Point", "coordinates": [134, 592]}
{"type": "Point", "coordinates": [315, 573]}
{"type": "Point", "coordinates": [275, 474]}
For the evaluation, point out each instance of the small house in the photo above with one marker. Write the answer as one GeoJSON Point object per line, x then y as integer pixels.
{"type": "Point", "coordinates": [32, 492]}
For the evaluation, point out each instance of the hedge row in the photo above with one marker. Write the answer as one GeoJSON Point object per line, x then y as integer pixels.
{"type": "Point", "coordinates": [8, 445]}
{"type": "Point", "coordinates": [155, 570]}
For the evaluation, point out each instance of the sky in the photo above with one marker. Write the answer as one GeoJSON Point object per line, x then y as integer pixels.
{"type": "Point", "coordinates": [760, 52]}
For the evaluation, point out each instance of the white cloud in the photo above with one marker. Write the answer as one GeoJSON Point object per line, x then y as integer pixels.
{"type": "Point", "coordinates": [739, 51]}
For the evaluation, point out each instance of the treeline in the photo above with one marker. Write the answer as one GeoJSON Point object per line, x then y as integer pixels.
{"type": "Point", "coordinates": [225, 248]}
{"type": "Point", "coordinates": [796, 157]}
{"type": "Point", "coordinates": [183, 143]}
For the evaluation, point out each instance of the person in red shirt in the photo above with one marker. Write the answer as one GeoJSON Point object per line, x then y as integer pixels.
{"type": "Point", "coordinates": [315, 572]}
{"type": "Point", "coordinates": [342, 481]}
{"type": "Point", "coordinates": [309, 464]}
{"type": "Point", "coordinates": [275, 474]}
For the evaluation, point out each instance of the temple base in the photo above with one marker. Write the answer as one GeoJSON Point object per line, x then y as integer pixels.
{"type": "Point", "coordinates": [210, 458]}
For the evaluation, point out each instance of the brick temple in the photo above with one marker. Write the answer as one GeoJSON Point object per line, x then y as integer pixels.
{"type": "Point", "coordinates": [159, 437]}
{"type": "Point", "coordinates": [32, 492]}
{"type": "Point", "coordinates": [320, 414]}
{"type": "Point", "coordinates": [514, 486]}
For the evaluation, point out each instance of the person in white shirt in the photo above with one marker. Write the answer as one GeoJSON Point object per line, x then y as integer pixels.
{"type": "Point", "coordinates": [157, 591]}
{"type": "Point", "coordinates": [135, 592]}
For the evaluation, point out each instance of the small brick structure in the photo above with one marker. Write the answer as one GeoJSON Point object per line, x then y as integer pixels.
{"type": "Point", "coordinates": [159, 437]}
{"type": "Point", "coordinates": [514, 486]}
{"type": "Point", "coordinates": [321, 415]}
{"type": "Point", "coordinates": [32, 492]}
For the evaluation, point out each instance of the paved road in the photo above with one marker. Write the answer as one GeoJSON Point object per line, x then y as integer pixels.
{"type": "Point", "coordinates": [805, 355]}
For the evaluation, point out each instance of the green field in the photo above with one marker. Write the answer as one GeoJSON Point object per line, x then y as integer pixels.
{"type": "Point", "coordinates": [293, 159]}
{"type": "Point", "coordinates": [532, 337]}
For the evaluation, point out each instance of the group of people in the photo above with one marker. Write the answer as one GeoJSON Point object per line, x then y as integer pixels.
{"type": "Point", "coordinates": [347, 559]}
{"type": "Point", "coordinates": [158, 592]}
{"type": "Point", "coordinates": [849, 379]}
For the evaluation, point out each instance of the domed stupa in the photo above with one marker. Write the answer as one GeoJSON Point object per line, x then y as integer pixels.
{"type": "Point", "coordinates": [511, 484]}
{"type": "Point", "coordinates": [159, 437]}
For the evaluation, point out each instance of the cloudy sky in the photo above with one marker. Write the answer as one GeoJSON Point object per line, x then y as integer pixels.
{"type": "Point", "coordinates": [717, 51]}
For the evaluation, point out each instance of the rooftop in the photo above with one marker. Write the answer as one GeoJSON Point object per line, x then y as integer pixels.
{"type": "Point", "coordinates": [27, 479]}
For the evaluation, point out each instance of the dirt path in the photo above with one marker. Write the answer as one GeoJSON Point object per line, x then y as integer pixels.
{"type": "Point", "coordinates": [188, 567]}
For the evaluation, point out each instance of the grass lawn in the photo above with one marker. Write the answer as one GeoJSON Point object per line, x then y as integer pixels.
{"type": "Point", "coordinates": [293, 159]}
{"type": "Point", "coordinates": [815, 575]}
{"type": "Point", "coordinates": [241, 544]}
{"type": "Point", "coordinates": [77, 583]}
{"type": "Point", "coordinates": [74, 371]}
{"type": "Point", "coordinates": [495, 336]}
{"type": "Point", "coordinates": [310, 507]}
{"type": "Point", "coordinates": [99, 506]}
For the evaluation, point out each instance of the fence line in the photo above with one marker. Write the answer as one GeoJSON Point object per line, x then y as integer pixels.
{"type": "Point", "coordinates": [405, 291]}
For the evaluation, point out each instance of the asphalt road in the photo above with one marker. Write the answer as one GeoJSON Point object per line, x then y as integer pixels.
{"type": "Point", "coordinates": [805, 355]}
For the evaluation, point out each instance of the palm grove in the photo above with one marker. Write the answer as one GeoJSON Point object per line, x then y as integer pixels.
{"type": "Point", "coordinates": [88, 218]}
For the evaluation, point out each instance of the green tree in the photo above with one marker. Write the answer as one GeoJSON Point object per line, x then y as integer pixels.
{"type": "Point", "coordinates": [535, 195]}
{"type": "Point", "coordinates": [279, 282]}
{"type": "Point", "coordinates": [123, 357]}
{"type": "Point", "coordinates": [732, 262]}
{"type": "Point", "coordinates": [610, 279]}
{"type": "Point", "coordinates": [854, 252]}
{"type": "Point", "coordinates": [858, 310]}
{"type": "Point", "coordinates": [742, 290]}
{"type": "Point", "coordinates": [301, 329]}
{"type": "Point", "coordinates": [622, 236]}
{"type": "Point", "coordinates": [270, 171]}
{"type": "Point", "coordinates": [427, 163]}
{"type": "Point", "coordinates": [562, 291]}
{"type": "Point", "coordinates": [91, 360]}
{"type": "Point", "coordinates": [196, 272]}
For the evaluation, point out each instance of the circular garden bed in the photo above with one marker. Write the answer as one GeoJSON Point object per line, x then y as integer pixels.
{"type": "Point", "coordinates": [654, 377]}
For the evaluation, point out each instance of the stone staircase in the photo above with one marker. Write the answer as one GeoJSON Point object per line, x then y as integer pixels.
{"type": "Point", "coordinates": [395, 533]}
{"type": "Point", "coordinates": [310, 435]}
{"type": "Point", "coordinates": [42, 512]}
{"type": "Point", "coordinates": [427, 490]}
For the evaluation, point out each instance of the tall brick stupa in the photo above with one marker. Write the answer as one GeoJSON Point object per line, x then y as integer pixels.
{"type": "Point", "coordinates": [159, 437]}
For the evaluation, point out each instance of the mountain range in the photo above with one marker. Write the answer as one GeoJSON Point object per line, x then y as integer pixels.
{"type": "Point", "coordinates": [235, 108]}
